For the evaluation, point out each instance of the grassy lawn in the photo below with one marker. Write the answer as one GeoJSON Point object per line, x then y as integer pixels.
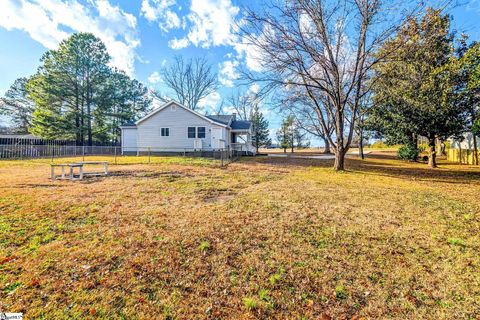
{"type": "Point", "coordinates": [263, 238]}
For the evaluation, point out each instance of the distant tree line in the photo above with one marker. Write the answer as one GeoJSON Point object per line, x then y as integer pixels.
{"type": "Point", "coordinates": [76, 95]}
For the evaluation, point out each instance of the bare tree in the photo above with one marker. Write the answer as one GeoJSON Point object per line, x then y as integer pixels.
{"type": "Point", "coordinates": [324, 47]}
{"type": "Point", "coordinates": [190, 81]}
{"type": "Point", "coordinates": [243, 103]}
{"type": "Point", "coordinates": [298, 104]}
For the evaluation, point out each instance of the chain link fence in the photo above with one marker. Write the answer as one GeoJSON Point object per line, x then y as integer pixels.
{"type": "Point", "coordinates": [114, 153]}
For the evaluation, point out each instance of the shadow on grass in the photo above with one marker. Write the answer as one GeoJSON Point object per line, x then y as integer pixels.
{"type": "Point", "coordinates": [387, 164]}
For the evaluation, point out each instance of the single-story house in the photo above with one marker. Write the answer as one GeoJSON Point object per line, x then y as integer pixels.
{"type": "Point", "coordinates": [174, 128]}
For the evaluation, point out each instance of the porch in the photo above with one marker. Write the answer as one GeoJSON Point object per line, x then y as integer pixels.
{"type": "Point", "coordinates": [241, 140]}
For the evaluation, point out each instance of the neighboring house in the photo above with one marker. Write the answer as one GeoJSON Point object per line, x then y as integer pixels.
{"type": "Point", "coordinates": [176, 128]}
{"type": "Point", "coordinates": [463, 151]}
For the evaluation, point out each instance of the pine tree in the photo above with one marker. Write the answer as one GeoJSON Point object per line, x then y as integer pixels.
{"type": "Point", "coordinates": [17, 106]}
{"type": "Point", "coordinates": [79, 97]}
{"type": "Point", "coordinates": [261, 134]}
{"type": "Point", "coordinates": [290, 135]}
{"type": "Point", "coordinates": [284, 134]}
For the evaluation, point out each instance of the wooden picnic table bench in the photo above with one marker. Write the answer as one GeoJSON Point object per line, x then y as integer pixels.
{"type": "Point", "coordinates": [104, 163]}
{"type": "Point", "coordinates": [80, 166]}
{"type": "Point", "coordinates": [71, 167]}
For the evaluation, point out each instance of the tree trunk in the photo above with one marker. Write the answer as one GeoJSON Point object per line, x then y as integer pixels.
{"type": "Point", "coordinates": [339, 164]}
{"type": "Point", "coordinates": [475, 150]}
{"type": "Point", "coordinates": [432, 157]}
{"type": "Point", "coordinates": [360, 146]}
{"type": "Point", "coordinates": [89, 116]}
{"type": "Point", "coordinates": [414, 140]}
{"type": "Point", "coordinates": [327, 146]}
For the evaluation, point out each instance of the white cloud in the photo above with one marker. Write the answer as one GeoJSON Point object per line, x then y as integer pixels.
{"type": "Point", "coordinates": [251, 53]}
{"type": "Point", "coordinates": [228, 72]}
{"type": "Point", "coordinates": [160, 10]}
{"type": "Point", "coordinates": [178, 44]}
{"type": "Point", "coordinates": [210, 23]}
{"type": "Point", "coordinates": [51, 21]}
{"type": "Point", "coordinates": [211, 101]}
{"type": "Point", "coordinates": [254, 88]}
{"type": "Point", "coordinates": [154, 77]}
{"type": "Point", "coordinates": [213, 21]}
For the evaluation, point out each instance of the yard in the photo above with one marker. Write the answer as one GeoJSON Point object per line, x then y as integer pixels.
{"type": "Point", "coordinates": [263, 238]}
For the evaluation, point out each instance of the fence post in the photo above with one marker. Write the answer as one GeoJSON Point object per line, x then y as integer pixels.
{"type": "Point", "coordinates": [148, 155]}
{"type": "Point", "coordinates": [52, 152]}
{"type": "Point", "coordinates": [115, 148]}
{"type": "Point", "coordinates": [83, 153]}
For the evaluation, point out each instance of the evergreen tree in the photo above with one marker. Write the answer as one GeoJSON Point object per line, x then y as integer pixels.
{"type": "Point", "coordinates": [17, 106]}
{"type": "Point", "coordinates": [290, 135]}
{"type": "Point", "coordinates": [67, 85]}
{"type": "Point", "coordinates": [284, 134]}
{"type": "Point", "coordinates": [123, 100]}
{"type": "Point", "coordinates": [261, 134]}
{"type": "Point", "coordinates": [79, 97]}
{"type": "Point", "coordinates": [414, 91]}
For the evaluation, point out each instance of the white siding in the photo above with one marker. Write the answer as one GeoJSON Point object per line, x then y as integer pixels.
{"type": "Point", "coordinates": [178, 120]}
{"type": "Point", "coordinates": [467, 142]}
{"type": "Point", "coordinates": [129, 139]}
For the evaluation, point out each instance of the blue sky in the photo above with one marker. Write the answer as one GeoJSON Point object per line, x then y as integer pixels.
{"type": "Point", "coordinates": [144, 35]}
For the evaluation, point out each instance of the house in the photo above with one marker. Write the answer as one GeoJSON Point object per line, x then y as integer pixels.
{"type": "Point", "coordinates": [174, 128]}
{"type": "Point", "coordinates": [463, 150]}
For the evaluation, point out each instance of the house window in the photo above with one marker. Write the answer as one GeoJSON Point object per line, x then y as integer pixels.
{"type": "Point", "coordinates": [201, 132]}
{"type": "Point", "coordinates": [191, 132]}
{"type": "Point", "coordinates": [165, 132]}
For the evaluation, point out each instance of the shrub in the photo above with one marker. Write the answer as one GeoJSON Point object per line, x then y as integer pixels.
{"type": "Point", "coordinates": [408, 152]}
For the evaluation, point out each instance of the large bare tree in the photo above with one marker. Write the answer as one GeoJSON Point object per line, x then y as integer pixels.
{"type": "Point", "coordinates": [190, 81]}
{"type": "Point", "coordinates": [325, 48]}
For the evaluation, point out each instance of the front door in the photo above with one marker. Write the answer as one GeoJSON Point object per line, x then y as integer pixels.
{"type": "Point", "coordinates": [216, 138]}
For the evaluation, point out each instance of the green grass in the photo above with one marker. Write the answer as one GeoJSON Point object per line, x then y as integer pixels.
{"type": "Point", "coordinates": [262, 238]}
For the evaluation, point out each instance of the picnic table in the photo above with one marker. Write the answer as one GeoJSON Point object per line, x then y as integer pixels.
{"type": "Point", "coordinates": [79, 165]}
{"type": "Point", "coordinates": [71, 167]}
{"type": "Point", "coordinates": [104, 163]}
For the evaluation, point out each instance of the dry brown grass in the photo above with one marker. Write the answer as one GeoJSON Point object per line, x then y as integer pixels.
{"type": "Point", "coordinates": [264, 238]}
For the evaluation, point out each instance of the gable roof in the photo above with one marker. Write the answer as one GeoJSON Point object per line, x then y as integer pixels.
{"type": "Point", "coordinates": [155, 111]}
